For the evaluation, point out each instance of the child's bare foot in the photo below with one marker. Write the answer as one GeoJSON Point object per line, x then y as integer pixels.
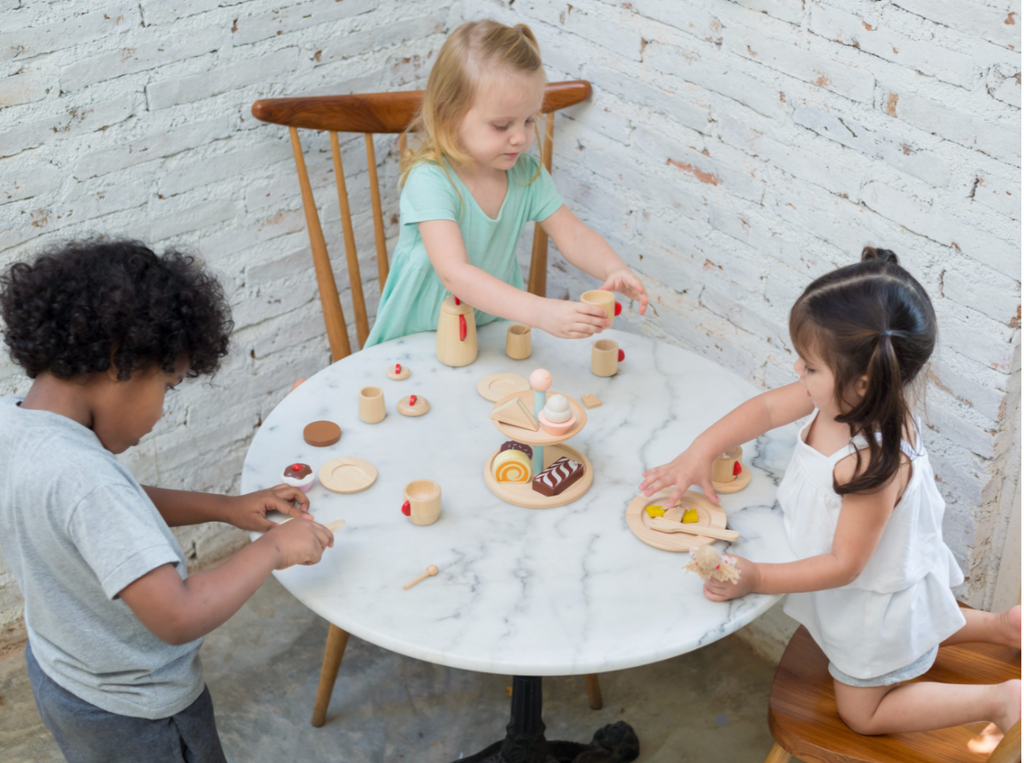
{"type": "Point", "coordinates": [1009, 622]}
{"type": "Point", "coordinates": [1011, 708]}
{"type": "Point", "coordinates": [986, 741]}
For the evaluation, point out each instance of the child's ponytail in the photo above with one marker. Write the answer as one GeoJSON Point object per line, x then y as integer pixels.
{"type": "Point", "coordinates": [874, 321]}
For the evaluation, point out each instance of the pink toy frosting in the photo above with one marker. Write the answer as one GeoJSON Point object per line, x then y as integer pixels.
{"type": "Point", "coordinates": [540, 380]}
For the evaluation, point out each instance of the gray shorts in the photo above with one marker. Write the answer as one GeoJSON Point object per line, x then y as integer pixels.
{"type": "Point", "coordinates": [918, 667]}
{"type": "Point", "coordinates": [87, 734]}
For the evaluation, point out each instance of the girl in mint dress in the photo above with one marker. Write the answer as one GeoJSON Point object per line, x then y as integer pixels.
{"type": "Point", "coordinates": [468, 190]}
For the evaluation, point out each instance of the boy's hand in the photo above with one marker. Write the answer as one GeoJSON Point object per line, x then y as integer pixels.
{"type": "Point", "coordinates": [750, 578]}
{"type": "Point", "coordinates": [571, 320]}
{"type": "Point", "coordinates": [299, 542]}
{"type": "Point", "coordinates": [249, 512]}
{"type": "Point", "coordinates": [627, 284]}
{"type": "Point", "coordinates": [688, 468]}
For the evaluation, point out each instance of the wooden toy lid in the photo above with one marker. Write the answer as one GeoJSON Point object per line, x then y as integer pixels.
{"type": "Point", "coordinates": [320, 434]}
{"type": "Point", "coordinates": [451, 308]}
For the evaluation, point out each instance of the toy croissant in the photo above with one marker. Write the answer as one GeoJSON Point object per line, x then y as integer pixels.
{"type": "Point", "coordinates": [707, 562]}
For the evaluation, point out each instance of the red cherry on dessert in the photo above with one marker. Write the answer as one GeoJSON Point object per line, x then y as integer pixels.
{"type": "Point", "coordinates": [618, 308]}
{"type": "Point", "coordinates": [407, 509]}
{"type": "Point", "coordinates": [737, 470]}
{"type": "Point", "coordinates": [296, 467]}
{"type": "Point", "coordinates": [622, 355]}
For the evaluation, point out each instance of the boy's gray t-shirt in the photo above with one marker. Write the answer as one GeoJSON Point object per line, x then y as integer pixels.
{"type": "Point", "coordinates": [76, 528]}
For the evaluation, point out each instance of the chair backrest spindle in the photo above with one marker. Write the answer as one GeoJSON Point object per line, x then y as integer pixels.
{"type": "Point", "coordinates": [538, 279]}
{"type": "Point", "coordinates": [356, 281]}
{"type": "Point", "coordinates": [334, 318]}
{"type": "Point", "coordinates": [378, 215]}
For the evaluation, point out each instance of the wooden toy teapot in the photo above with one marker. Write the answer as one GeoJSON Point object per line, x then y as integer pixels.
{"type": "Point", "coordinates": [456, 333]}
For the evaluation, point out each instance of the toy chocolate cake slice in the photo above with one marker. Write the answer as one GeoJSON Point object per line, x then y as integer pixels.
{"type": "Point", "coordinates": [513, 445]}
{"type": "Point", "coordinates": [557, 477]}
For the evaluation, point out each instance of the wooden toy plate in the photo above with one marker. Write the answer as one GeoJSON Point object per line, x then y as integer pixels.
{"type": "Point", "coordinates": [741, 481]}
{"type": "Point", "coordinates": [494, 387]}
{"type": "Point", "coordinates": [708, 512]}
{"type": "Point", "coordinates": [523, 494]}
{"type": "Point", "coordinates": [347, 475]}
{"type": "Point", "coordinates": [541, 437]}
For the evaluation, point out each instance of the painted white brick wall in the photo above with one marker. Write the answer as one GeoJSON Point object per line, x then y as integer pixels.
{"type": "Point", "coordinates": [732, 152]}
{"type": "Point", "coordinates": [133, 119]}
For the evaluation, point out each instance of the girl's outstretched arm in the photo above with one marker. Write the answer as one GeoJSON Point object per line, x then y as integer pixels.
{"type": "Point", "coordinates": [861, 522]}
{"type": "Point", "coordinates": [747, 422]}
{"type": "Point", "coordinates": [587, 250]}
{"type": "Point", "coordinates": [447, 251]}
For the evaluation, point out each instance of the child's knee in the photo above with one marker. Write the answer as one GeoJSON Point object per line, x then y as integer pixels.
{"type": "Point", "coordinates": [855, 712]}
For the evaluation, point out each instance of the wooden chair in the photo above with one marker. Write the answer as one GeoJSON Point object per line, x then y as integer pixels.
{"type": "Point", "coordinates": [369, 114]}
{"type": "Point", "coordinates": [805, 723]}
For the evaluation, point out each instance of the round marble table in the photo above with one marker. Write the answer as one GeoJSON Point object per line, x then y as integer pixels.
{"type": "Point", "coordinates": [522, 592]}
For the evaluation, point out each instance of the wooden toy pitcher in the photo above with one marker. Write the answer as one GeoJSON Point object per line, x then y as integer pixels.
{"type": "Point", "coordinates": [456, 333]}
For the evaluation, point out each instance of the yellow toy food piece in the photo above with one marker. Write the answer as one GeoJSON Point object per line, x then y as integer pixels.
{"type": "Point", "coordinates": [512, 466]}
{"type": "Point", "coordinates": [690, 517]}
{"type": "Point", "coordinates": [655, 511]}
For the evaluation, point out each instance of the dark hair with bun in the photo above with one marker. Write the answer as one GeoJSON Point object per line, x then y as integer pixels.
{"type": "Point", "coordinates": [870, 319]}
{"type": "Point", "coordinates": [83, 306]}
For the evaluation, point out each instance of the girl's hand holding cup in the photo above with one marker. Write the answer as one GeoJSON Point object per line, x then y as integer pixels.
{"type": "Point", "coordinates": [572, 320]}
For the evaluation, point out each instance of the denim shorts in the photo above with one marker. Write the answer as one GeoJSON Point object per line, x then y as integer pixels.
{"type": "Point", "coordinates": [918, 667]}
{"type": "Point", "coordinates": [87, 734]}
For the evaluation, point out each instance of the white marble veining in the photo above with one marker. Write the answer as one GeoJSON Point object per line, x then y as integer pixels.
{"type": "Point", "coordinates": [559, 591]}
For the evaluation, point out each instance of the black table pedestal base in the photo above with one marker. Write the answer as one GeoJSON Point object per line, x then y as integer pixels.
{"type": "Point", "coordinates": [525, 743]}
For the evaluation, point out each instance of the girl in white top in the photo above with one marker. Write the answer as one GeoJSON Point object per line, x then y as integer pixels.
{"type": "Point", "coordinates": [862, 511]}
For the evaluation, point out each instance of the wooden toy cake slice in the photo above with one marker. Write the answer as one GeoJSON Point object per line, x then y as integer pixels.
{"type": "Point", "coordinates": [557, 477]}
{"type": "Point", "coordinates": [515, 413]}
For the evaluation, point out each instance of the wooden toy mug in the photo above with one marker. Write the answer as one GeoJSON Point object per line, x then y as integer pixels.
{"type": "Point", "coordinates": [371, 404]}
{"type": "Point", "coordinates": [723, 468]}
{"type": "Point", "coordinates": [422, 502]}
{"type": "Point", "coordinates": [518, 344]}
{"type": "Point", "coordinates": [600, 298]}
{"type": "Point", "coordinates": [605, 358]}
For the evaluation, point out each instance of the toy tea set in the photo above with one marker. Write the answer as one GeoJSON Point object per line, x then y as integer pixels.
{"type": "Point", "coordinates": [535, 467]}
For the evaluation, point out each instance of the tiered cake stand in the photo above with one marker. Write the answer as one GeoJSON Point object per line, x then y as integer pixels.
{"type": "Point", "coordinates": [522, 493]}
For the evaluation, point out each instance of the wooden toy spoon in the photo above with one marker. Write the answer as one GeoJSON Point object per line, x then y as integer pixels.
{"type": "Point", "coordinates": [664, 525]}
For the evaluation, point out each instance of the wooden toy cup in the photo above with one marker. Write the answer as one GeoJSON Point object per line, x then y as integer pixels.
{"type": "Point", "coordinates": [371, 404]}
{"type": "Point", "coordinates": [723, 467]}
{"type": "Point", "coordinates": [601, 298]}
{"type": "Point", "coordinates": [422, 502]}
{"type": "Point", "coordinates": [518, 344]}
{"type": "Point", "coordinates": [605, 357]}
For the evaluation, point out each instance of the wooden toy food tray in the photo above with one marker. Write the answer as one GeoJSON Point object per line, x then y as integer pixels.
{"type": "Point", "coordinates": [708, 512]}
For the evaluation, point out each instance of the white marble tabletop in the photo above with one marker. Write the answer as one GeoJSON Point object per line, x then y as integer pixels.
{"type": "Point", "coordinates": [561, 591]}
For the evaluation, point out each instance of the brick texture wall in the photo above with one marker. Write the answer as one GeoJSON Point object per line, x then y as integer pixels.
{"type": "Point", "coordinates": [732, 152]}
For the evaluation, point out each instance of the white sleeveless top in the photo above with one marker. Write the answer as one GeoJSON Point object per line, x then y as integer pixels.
{"type": "Point", "coordinates": [901, 605]}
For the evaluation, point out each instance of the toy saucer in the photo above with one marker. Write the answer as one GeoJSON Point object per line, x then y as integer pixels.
{"type": "Point", "coordinates": [741, 481]}
{"type": "Point", "coordinates": [347, 475]}
{"type": "Point", "coordinates": [708, 514]}
{"type": "Point", "coordinates": [418, 408]}
{"type": "Point", "coordinates": [493, 387]}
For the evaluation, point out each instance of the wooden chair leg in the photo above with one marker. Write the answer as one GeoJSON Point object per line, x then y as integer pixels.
{"type": "Point", "coordinates": [593, 691]}
{"type": "Point", "coordinates": [778, 755]}
{"type": "Point", "coordinates": [337, 640]}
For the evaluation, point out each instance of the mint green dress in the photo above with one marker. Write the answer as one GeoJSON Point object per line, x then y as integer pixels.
{"type": "Point", "coordinates": [413, 294]}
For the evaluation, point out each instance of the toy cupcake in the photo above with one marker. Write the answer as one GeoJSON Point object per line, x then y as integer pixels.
{"type": "Point", "coordinates": [557, 417]}
{"type": "Point", "coordinates": [298, 475]}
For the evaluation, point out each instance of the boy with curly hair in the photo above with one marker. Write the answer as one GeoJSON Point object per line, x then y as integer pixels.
{"type": "Point", "coordinates": [105, 328]}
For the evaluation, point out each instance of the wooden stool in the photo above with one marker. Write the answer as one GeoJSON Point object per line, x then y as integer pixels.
{"type": "Point", "coordinates": [805, 723]}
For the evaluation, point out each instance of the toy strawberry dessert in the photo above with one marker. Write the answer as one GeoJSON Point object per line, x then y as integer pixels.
{"type": "Point", "coordinates": [298, 475]}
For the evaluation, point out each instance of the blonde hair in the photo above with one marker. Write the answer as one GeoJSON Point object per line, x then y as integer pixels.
{"type": "Point", "coordinates": [452, 86]}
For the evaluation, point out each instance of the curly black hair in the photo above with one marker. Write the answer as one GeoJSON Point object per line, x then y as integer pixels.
{"type": "Point", "coordinates": [83, 306]}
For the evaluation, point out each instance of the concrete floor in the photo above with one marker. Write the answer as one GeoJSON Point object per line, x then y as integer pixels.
{"type": "Point", "coordinates": [262, 668]}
